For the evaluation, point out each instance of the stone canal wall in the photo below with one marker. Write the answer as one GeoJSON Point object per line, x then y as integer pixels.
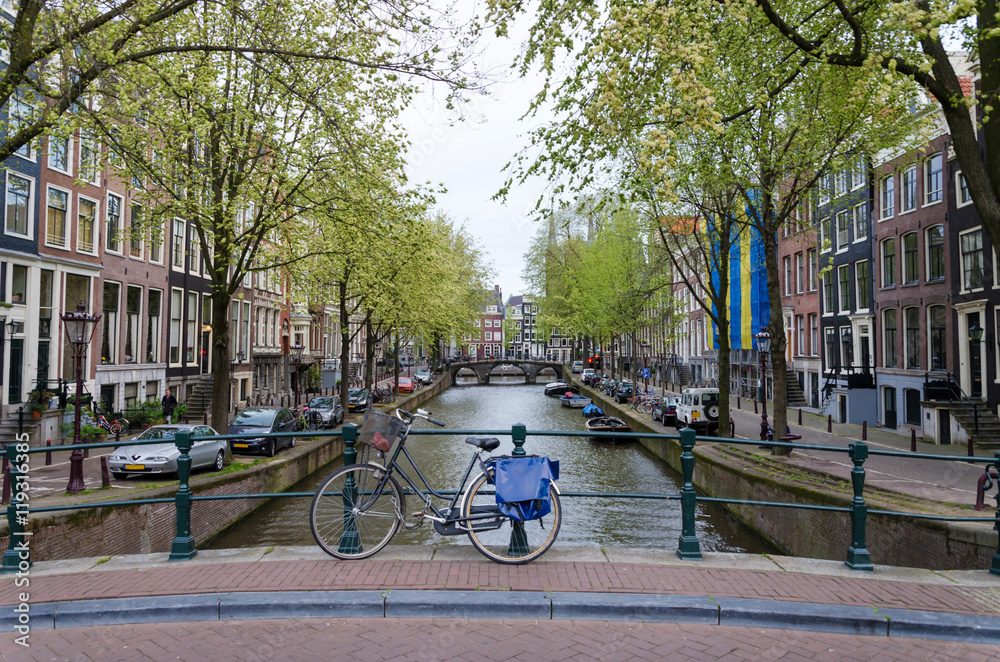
{"type": "Point", "coordinates": [150, 528]}
{"type": "Point", "coordinates": [731, 472]}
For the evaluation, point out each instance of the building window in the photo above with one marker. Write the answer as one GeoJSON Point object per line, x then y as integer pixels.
{"type": "Point", "coordinates": [109, 339]}
{"type": "Point", "coordinates": [935, 252]}
{"type": "Point", "coordinates": [55, 220]}
{"type": "Point", "coordinates": [828, 298]}
{"type": "Point", "coordinates": [19, 284]}
{"type": "Point", "coordinates": [889, 262]}
{"type": "Point", "coordinates": [135, 232]}
{"type": "Point", "coordinates": [800, 330]}
{"type": "Point", "coordinates": [843, 236]}
{"type": "Point", "coordinates": [845, 287]}
{"type": "Point", "coordinates": [19, 116]}
{"type": "Point", "coordinates": [972, 259]}
{"type": "Point", "coordinates": [133, 304]}
{"type": "Point", "coordinates": [800, 275]}
{"type": "Point", "coordinates": [910, 189]}
{"type": "Point", "coordinates": [178, 247]}
{"type": "Point", "coordinates": [889, 338]}
{"type": "Point", "coordinates": [911, 349]}
{"type": "Point", "coordinates": [813, 334]}
{"type": "Point", "coordinates": [176, 309]}
{"type": "Point", "coordinates": [857, 172]}
{"type": "Point", "coordinates": [18, 204]}
{"type": "Point", "coordinates": [888, 196]}
{"type": "Point", "coordinates": [114, 244]}
{"type": "Point", "coordinates": [863, 280]}
{"type": "Point", "coordinates": [824, 234]}
{"type": "Point", "coordinates": [860, 222]}
{"type": "Point", "coordinates": [911, 266]}
{"type": "Point", "coordinates": [192, 326]}
{"type": "Point", "coordinates": [86, 211]}
{"type": "Point", "coordinates": [964, 196]}
{"type": "Point", "coordinates": [813, 269]}
{"type": "Point", "coordinates": [832, 348]}
{"type": "Point", "coordinates": [88, 161]}
{"type": "Point", "coordinates": [933, 179]}
{"type": "Point", "coordinates": [840, 182]}
{"type": "Point", "coordinates": [787, 262]}
{"type": "Point", "coordinates": [156, 243]}
{"type": "Point", "coordinates": [153, 327]}
{"type": "Point", "coordinates": [938, 347]}
{"type": "Point", "coordinates": [59, 149]}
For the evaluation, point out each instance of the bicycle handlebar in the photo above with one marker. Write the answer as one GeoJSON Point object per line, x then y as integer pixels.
{"type": "Point", "coordinates": [426, 415]}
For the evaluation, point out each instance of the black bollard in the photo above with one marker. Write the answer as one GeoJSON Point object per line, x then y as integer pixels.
{"type": "Point", "coordinates": [864, 430]}
{"type": "Point", "coordinates": [755, 406]}
{"type": "Point", "coordinates": [829, 422]}
{"type": "Point", "coordinates": [48, 454]}
{"type": "Point", "coordinates": [800, 416]}
{"type": "Point", "coordinates": [913, 440]}
{"type": "Point", "coordinates": [105, 472]}
{"type": "Point", "coordinates": [737, 402]}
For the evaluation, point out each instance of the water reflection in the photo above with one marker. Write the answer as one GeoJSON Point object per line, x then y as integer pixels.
{"type": "Point", "coordinates": [585, 465]}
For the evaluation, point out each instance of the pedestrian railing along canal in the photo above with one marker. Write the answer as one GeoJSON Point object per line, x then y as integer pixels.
{"type": "Point", "coordinates": [183, 546]}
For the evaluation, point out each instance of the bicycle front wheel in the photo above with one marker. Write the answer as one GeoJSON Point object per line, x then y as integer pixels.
{"type": "Point", "coordinates": [502, 539]}
{"type": "Point", "coordinates": [351, 516]}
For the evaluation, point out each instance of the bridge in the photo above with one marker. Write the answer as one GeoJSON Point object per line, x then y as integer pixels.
{"type": "Point", "coordinates": [527, 367]}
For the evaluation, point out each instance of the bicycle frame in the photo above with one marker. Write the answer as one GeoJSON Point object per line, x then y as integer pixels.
{"type": "Point", "coordinates": [450, 521]}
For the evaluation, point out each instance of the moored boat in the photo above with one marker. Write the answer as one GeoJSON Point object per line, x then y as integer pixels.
{"type": "Point", "coordinates": [592, 410]}
{"type": "Point", "coordinates": [559, 389]}
{"type": "Point", "coordinates": [608, 424]}
{"type": "Point", "coordinates": [575, 401]}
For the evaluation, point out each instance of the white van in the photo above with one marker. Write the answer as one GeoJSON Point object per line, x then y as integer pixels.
{"type": "Point", "coordinates": [698, 408]}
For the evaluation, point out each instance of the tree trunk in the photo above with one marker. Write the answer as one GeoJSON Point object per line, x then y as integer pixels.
{"type": "Point", "coordinates": [777, 330]}
{"type": "Point", "coordinates": [345, 344]}
{"type": "Point", "coordinates": [220, 359]}
{"type": "Point", "coordinates": [370, 377]}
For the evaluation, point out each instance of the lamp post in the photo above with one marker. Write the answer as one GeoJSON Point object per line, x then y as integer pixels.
{"type": "Point", "coordinates": [763, 349]}
{"type": "Point", "coordinates": [80, 329]}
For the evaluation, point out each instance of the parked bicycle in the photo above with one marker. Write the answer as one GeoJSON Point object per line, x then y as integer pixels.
{"type": "Point", "coordinates": [383, 394]}
{"type": "Point", "coordinates": [113, 426]}
{"type": "Point", "coordinates": [359, 508]}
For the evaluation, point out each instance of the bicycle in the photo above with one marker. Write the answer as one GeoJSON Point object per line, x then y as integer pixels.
{"type": "Point", "coordinates": [359, 508]}
{"type": "Point", "coordinates": [115, 426]}
{"type": "Point", "coordinates": [383, 394]}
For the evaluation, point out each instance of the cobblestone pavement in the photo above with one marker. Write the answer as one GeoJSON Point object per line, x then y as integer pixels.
{"type": "Point", "coordinates": [442, 639]}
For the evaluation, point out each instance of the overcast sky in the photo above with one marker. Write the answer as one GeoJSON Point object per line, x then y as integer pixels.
{"type": "Point", "coordinates": [468, 157]}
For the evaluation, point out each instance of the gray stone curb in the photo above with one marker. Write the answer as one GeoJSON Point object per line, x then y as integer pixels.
{"type": "Point", "coordinates": [741, 612]}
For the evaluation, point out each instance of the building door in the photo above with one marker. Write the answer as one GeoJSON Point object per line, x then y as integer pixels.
{"type": "Point", "coordinates": [842, 408]}
{"type": "Point", "coordinates": [814, 388]}
{"type": "Point", "coordinates": [14, 382]}
{"type": "Point", "coordinates": [912, 397]}
{"type": "Point", "coordinates": [944, 426]}
{"type": "Point", "coordinates": [107, 398]}
{"type": "Point", "coordinates": [889, 407]}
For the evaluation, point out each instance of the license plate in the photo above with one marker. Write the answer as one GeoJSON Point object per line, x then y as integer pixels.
{"type": "Point", "coordinates": [241, 445]}
{"type": "Point", "coordinates": [135, 467]}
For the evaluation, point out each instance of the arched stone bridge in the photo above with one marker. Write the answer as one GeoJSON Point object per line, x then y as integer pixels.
{"type": "Point", "coordinates": [527, 367]}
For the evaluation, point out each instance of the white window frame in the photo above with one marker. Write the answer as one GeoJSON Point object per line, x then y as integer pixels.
{"type": "Point", "coordinates": [800, 272]}
{"type": "Point", "coordinates": [895, 262]}
{"type": "Point", "coordinates": [95, 147]}
{"type": "Point", "coordinates": [30, 221]}
{"type": "Point", "coordinates": [173, 238]}
{"type": "Point", "coordinates": [840, 288]}
{"type": "Point", "coordinates": [95, 229]}
{"type": "Point", "coordinates": [960, 189]}
{"type": "Point", "coordinates": [961, 258]}
{"type": "Point", "coordinates": [858, 172]}
{"type": "Point", "coordinates": [883, 196]}
{"type": "Point", "coordinates": [107, 230]}
{"type": "Point", "coordinates": [163, 244]}
{"type": "Point", "coordinates": [927, 190]}
{"type": "Point", "coordinates": [69, 213]}
{"type": "Point", "coordinates": [848, 219]}
{"type": "Point", "coordinates": [859, 221]}
{"type": "Point", "coordinates": [903, 190]}
{"type": "Point", "coordinates": [179, 292]}
{"type": "Point", "coordinates": [68, 170]}
{"type": "Point", "coordinates": [142, 235]}
{"type": "Point", "coordinates": [857, 286]}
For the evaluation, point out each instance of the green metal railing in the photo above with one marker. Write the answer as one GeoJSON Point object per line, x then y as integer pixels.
{"type": "Point", "coordinates": [17, 556]}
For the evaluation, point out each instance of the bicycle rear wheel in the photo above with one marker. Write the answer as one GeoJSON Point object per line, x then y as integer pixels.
{"type": "Point", "coordinates": [502, 539]}
{"type": "Point", "coordinates": [348, 519]}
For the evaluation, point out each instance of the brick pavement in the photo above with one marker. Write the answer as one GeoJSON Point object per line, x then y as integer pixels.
{"type": "Point", "coordinates": [380, 640]}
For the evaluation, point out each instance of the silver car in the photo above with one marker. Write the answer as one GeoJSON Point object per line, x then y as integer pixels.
{"type": "Point", "coordinates": [425, 376]}
{"type": "Point", "coordinates": [161, 459]}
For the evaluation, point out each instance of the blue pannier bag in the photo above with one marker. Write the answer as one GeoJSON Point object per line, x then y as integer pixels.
{"type": "Point", "coordinates": [522, 486]}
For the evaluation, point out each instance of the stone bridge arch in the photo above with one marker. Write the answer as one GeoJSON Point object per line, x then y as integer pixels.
{"type": "Point", "coordinates": [484, 368]}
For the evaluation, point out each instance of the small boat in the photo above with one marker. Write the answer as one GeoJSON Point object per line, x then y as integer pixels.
{"type": "Point", "coordinates": [575, 401]}
{"type": "Point", "coordinates": [592, 410]}
{"type": "Point", "coordinates": [559, 389]}
{"type": "Point", "coordinates": [608, 424]}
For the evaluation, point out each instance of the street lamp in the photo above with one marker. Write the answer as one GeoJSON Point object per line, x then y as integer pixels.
{"type": "Point", "coordinates": [763, 349]}
{"type": "Point", "coordinates": [80, 329]}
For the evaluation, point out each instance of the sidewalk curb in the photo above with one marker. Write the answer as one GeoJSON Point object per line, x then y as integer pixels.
{"type": "Point", "coordinates": [707, 610]}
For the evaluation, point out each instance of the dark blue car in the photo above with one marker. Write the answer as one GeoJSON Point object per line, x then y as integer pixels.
{"type": "Point", "coordinates": [256, 421]}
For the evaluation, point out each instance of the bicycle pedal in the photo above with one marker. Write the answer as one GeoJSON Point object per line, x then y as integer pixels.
{"type": "Point", "coordinates": [414, 525]}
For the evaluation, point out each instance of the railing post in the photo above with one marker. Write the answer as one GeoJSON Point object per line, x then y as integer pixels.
{"type": "Point", "coordinates": [688, 547]}
{"type": "Point", "coordinates": [995, 566]}
{"type": "Point", "coordinates": [350, 541]}
{"type": "Point", "coordinates": [519, 433]}
{"type": "Point", "coordinates": [183, 548]}
{"type": "Point", "coordinates": [17, 557]}
{"type": "Point", "coordinates": [858, 557]}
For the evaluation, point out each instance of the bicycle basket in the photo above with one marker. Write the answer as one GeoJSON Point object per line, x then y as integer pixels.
{"type": "Point", "coordinates": [379, 430]}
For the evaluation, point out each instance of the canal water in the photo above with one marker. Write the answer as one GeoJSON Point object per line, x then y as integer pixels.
{"type": "Point", "coordinates": [585, 466]}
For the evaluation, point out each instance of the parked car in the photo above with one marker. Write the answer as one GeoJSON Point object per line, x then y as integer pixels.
{"type": "Point", "coordinates": [328, 409]}
{"type": "Point", "coordinates": [161, 459]}
{"type": "Point", "coordinates": [406, 385]}
{"type": "Point", "coordinates": [358, 399]}
{"type": "Point", "coordinates": [258, 420]}
{"type": "Point", "coordinates": [588, 376]}
{"type": "Point", "coordinates": [624, 391]}
{"type": "Point", "coordinates": [699, 409]}
{"type": "Point", "coordinates": [425, 376]}
{"type": "Point", "coordinates": [665, 410]}
{"type": "Point", "coordinates": [577, 367]}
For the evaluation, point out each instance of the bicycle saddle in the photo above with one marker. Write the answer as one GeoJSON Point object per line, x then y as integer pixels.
{"type": "Point", "coordinates": [486, 443]}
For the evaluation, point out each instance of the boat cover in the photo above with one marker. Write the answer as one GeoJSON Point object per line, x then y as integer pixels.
{"type": "Point", "coordinates": [522, 486]}
{"type": "Point", "coordinates": [592, 410]}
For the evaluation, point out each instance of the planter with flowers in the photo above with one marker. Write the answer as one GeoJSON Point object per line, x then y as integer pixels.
{"type": "Point", "coordinates": [39, 401]}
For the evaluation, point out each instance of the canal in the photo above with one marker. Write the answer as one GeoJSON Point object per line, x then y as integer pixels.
{"type": "Point", "coordinates": [585, 465]}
